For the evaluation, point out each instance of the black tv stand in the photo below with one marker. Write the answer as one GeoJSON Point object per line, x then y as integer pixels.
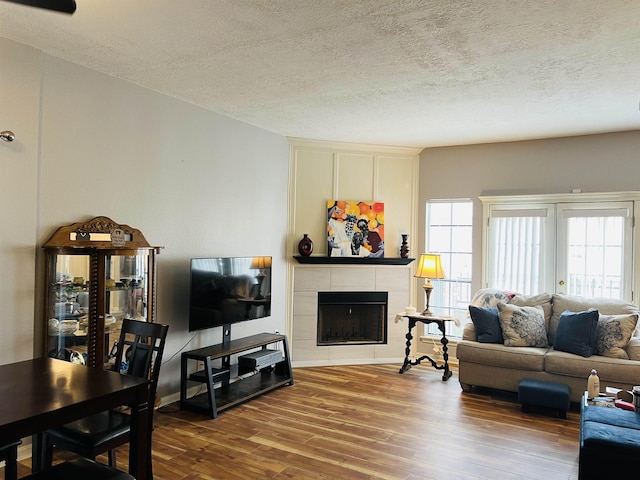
{"type": "Point", "coordinates": [231, 389]}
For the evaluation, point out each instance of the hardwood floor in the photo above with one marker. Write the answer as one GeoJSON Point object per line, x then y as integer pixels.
{"type": "Point", "coordinates": [365, 422]}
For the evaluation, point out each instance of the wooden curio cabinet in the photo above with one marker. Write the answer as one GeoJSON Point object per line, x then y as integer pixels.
{"type": "Point", "coordinates": [97, 273]}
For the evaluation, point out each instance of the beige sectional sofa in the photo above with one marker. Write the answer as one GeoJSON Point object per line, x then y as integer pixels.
{"type": "Point", "coordinates": [502, 367]}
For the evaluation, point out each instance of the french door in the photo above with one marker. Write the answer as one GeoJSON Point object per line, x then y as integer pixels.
{"type": "Point", "coordinates": [577, 248]}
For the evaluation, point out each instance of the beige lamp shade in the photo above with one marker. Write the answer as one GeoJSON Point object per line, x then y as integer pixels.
{"type": "Point", "coordinates": [260, 262]}
{"type": "Point", "coordinates": [430, 266]}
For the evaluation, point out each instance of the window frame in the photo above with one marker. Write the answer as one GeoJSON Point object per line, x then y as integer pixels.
{"type": "Point", "coordinates": [453, 331]}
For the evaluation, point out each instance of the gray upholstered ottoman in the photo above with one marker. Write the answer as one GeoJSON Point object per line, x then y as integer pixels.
{"type": "Point", "coordinates": [538, 393]}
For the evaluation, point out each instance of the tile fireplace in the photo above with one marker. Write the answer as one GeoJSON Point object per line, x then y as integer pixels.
{"type": "Point", "coordinates": [369, 338]}
{"type": "Point", "coordinates": [352, 318]}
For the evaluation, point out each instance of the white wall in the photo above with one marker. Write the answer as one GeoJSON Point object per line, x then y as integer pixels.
{"type": "Point", "coordinates": [192, 181]}
{"type": "Point", "coordinates": [19, 112]}
{"type": "Point", "coordinates": [593, 163]}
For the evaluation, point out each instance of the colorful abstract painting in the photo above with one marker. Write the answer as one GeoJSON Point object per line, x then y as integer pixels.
{"type": "Point", "coordinates": [355, 229]}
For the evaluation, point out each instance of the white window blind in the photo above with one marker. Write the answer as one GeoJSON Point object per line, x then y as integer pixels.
{"type": "Point", "coordinates": [517, 247]}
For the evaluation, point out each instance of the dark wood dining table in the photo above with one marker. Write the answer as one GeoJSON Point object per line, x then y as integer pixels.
{"type": "Point", "coordinates": [43, 393]}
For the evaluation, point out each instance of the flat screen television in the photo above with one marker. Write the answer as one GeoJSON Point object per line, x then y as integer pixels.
{"type": "Point", "coordinates": [227, 290]}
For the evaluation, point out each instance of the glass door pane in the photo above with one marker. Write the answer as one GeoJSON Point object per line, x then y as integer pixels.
{"type": "Point", "coordinates": [68, 307]}
{"type": "Point", "coordinates": [594, 247]}
{"type": "Point", "coordinates": [127, 295]}
{"type": "Point", "coordinates": [520, 248]}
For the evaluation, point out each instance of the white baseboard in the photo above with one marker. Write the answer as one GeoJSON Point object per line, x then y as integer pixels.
{"type": "Point", "coordinates": [343, 361]}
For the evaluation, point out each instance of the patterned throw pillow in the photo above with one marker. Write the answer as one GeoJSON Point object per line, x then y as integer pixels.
{"type": "Point", "coordinates": [522, 326]}
{"type": "Point", "coordinates": [614, 333]}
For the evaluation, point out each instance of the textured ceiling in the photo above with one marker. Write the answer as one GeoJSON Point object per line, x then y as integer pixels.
{"type": "Point", "coordinates": [390, 72]}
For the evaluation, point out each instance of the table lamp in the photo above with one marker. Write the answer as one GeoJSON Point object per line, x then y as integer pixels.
{"type": "Point", "coordinates": [258, 263]}
{"type": "Point", "coordinates": [429, 266]}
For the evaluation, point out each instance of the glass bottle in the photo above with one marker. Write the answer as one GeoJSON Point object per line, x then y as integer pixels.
{"type": "Point", "coordinates": [593, 385]}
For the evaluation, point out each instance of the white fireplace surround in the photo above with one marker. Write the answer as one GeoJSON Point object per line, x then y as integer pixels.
{"type": "Point", "coordinates": [309, 280]}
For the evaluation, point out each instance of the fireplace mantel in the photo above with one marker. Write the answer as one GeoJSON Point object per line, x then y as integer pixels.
{"type": "Point", "coordinates": [322, 260]}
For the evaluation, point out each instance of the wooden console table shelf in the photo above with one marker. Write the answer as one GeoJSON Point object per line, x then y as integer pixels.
{"type": "Point", "coordinates": [233, 389]}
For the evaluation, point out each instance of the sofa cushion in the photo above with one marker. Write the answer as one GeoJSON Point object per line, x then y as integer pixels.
{"type": "Point", "coordinates": [633, 349]}
{"type": "Point", "coordinates": [617, 373]}
{"type": "Point", "coordinates": [469, 332]}
{"type": "Point", "coordinates": [606, 306]}
{"type": "Point", "coordinates": [576, 332]}
{"type": "Point", "coordinates": [611, 416]}
{"type": "Point", "coordinates": [522, 326]}
{"type": "Point", "coordinates": [614, 333]}
{"type": "Point", "coordinates": [522, 358]}
{"type": "Point", "coordinates": [610, 442]}
{"type": "Point", "coordinates": [487, 324]}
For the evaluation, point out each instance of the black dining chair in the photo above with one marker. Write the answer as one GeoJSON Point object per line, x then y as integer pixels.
{"type": "Point", "coordinates": [80, 469]}
{"type": "Point", "coordinates": [139, 352]}
{"type": "Point", "coordinates": [9, 454]}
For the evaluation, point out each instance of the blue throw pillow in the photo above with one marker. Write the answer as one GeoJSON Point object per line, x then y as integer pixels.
{"type": "Point", "coordinates": [576, 332]}
{"type": "Point", "coordinates": [487, 324]}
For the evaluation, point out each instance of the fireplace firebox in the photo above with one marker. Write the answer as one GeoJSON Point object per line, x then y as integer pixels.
{"type": "Point", "coordinates": [352, 318]}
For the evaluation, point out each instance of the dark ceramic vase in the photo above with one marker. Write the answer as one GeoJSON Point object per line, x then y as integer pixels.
{"type": "Point", "coordinates": [305, 246]}
{"type": "Point", "coordinates": [404, 248]}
